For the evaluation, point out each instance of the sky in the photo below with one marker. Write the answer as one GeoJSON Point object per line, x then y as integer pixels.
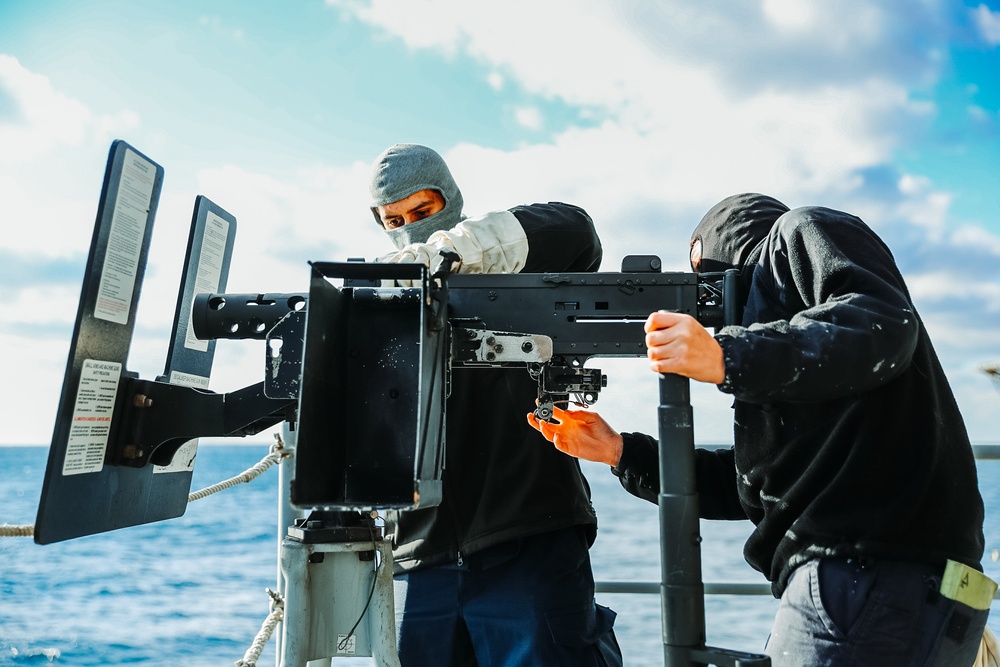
{"type": "Point", "coordinates": [645, 113]}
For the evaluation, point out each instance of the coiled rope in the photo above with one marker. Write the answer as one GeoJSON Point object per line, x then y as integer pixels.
{"type": "Point", "coordinates": [266, 630]}
{"type": "Point", "coordinates": [6, 530]}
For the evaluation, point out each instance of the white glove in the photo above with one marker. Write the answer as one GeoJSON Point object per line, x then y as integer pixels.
{"type": "Point", "coordinates": [491, 243]}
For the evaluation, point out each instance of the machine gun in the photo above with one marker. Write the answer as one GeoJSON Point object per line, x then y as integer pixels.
{"type": "Point", "coordinates": [471, 321]}
{"type": "Point", "coordinates": [581, 315]}
{"type": "Point", "coordinates": [360, 374]}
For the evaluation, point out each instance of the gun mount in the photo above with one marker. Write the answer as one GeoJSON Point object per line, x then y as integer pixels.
{"type": "Point", "coordinates": [335, 354]}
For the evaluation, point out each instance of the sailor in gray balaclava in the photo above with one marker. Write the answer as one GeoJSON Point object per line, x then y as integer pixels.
{"type": "Point", "coordinates": [492, 243]}
{"type": "Point", "coordinates": [406, 169]}
{"type": "Point", "coordinates": [508, 502]}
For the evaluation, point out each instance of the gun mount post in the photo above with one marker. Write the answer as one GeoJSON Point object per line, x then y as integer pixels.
{"type": "Point", "coordinates": [682, 593]}
{"type": "Point", "coordinates": [335, 572]}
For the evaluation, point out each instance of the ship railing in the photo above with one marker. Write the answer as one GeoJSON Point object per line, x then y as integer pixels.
{"type": "Point", "coordinates": [982, 453]}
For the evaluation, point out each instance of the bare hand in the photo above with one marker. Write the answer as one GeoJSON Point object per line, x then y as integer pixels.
{"type": "Point", "coordinates": [678, 343]}
{"type": "Point", "coordinates": [581, 434]}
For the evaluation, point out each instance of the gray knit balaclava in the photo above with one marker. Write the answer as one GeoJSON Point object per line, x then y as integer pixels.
{"type": "Point", "coordinates": [404, 169]}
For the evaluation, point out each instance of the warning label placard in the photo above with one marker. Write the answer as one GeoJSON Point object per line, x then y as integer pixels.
{"type": "Point", "coordinates": [209, 274]}
{"type": "Point", "coordinates": [91, 425]}
{"type": "Point", "coordinates": [128, 230]}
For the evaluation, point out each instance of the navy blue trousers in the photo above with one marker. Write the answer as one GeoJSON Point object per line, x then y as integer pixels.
{"type": "Point", "coordinates": [519, 604]}
{"type": "Point", "coordinates": [872, 613]}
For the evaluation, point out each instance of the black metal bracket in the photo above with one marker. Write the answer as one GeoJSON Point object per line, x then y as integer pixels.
{"type": "Point", "coordinates": [164, 416]}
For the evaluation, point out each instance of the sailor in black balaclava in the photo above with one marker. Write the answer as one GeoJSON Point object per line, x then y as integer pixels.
{"type": "Point", "coordinates": [850, 458]}
{"type": "Point", "coordinates": [731, 235]}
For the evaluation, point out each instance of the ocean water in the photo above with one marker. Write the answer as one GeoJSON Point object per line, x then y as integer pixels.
{"type": "Point", "coordinates": [191, 591]}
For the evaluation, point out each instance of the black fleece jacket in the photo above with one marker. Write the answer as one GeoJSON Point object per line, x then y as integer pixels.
{"type": "Point", "coordinates": [847, 438]}
{"type": "Point", "coordinates": [502, 480]}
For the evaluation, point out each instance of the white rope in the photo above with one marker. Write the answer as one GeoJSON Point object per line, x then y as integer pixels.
{"type": "Point", "coordinates": [266, 630]}
{"type": "Point", "coordinates": [276, 454]}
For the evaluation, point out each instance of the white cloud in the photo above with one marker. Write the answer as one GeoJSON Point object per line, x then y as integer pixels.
{"type": "Point", "coordinates": [320, 213]}
{"type": "Point", "coordinates": [617, 55]}
{"type": "Point", "coordinates": [969, 236]}
{"type": "Point", "coordinates": [681, 104]}
{"type": "Point", "coordinates": [988, 23]}
{"type": "Point", "coordinates": [42, 118]}
{"type": "Point", "coordinates": [978, 113]}
{"type": "Point", "coordinates": [529, 117]}
{"type": "Point", "coordinates": [789, 14]}
{"type": "Point", "coordinates": [939, 287]}
{"type": "Point", "coordinates": [219, 28]}
{"type": "Point", "coordinates": [911, 184]}
{"type": "Point", "coordinates": [47, 139]}
{"type": "Point", "coordinates": [41, 306]}
{"type": "Point", "coordinates": [45, 135]}
{"type": "Point", "coordinates": [923, 205]}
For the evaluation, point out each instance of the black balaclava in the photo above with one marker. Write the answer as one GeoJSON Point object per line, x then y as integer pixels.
{"type": "Point", "coordinates": [404, 169]}
{"type": "Point", "coordinates": [732, 233]}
